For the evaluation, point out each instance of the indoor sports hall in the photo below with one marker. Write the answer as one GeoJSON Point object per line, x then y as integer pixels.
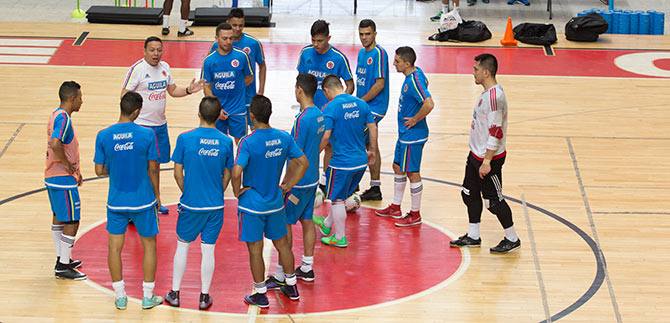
{"type": "Point", "coordinates": [586, 174]}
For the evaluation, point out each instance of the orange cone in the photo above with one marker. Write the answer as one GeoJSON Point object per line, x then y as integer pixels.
{"type": "Point", "coordinates": [508, 40]}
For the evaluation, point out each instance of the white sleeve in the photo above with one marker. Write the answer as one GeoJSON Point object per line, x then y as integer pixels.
{"type": "Point", "coordinates": [495, 120]}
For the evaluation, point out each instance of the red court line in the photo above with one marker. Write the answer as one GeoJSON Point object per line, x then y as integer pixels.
{"type": "Point", "coordinates": [433, 59]}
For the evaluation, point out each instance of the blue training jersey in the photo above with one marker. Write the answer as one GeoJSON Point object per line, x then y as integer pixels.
{"type": "Point", "coordinates": [414, 92]}
{"type": "Point", "coordinates": [226, 74]}
{"type": "Point", "coordinates": [205, 153]}
{"type": "Point", "coordinates": [331, 62]}
{"type": "Point", "coordinates": [307, 131]}
{"type": "Point", "coordinates": [253, 48]}
{"type": "Point", "coordinates": [373, 65]}
{"type": "Point", "coordinates": [347, 117]}
{"type": "Point", "coordinates": [264, 151]}
{"type": "Point", "coordinates": [126, 149]}
{"type": "Point", "coordinates": [54, 175]}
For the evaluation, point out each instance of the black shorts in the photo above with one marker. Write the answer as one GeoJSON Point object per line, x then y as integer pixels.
{"type": "Point", "coordinates": [491, 186]}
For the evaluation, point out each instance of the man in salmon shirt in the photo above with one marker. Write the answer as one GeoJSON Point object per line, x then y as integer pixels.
{"type": "Point", "coordinates": [62, 177]}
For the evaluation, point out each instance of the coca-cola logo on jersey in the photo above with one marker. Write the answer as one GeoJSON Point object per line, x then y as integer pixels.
{"type": "Point", "coordinates": [273, 153]}
{"type": "Point", "coordinates": [351, 115]}
{"type": "Point", "coordinates": [123, 147]}
{"type": "Point", "coordinates": [157, 96]}
{"type": "Point", "coordinates": [208, 152]}
{"type": "Point", "coordinates": [229, 85]}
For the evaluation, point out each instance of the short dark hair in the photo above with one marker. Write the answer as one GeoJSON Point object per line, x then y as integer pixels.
{"type": "Point", "coordinates": [331, 81]}
{"type": "Point", "coordinates": [407, 54]}
{"type": "Point", "coordinates": [236, 13]}
{"type": "Point", "coordinates": [488, 62]}
{"type": "Point", "coordinates": [130, 102]}
{"type": "Point", "coordinates": [365, 23]}
{"type": "Point", "coordinates": [223, 26]}
{"type": "Point", "coordinates": [210, 109]}
{"type": "Point", "coordinates": [320, 27]}
{"type": "Point", "coordinates": [308, 84]}
{"type": "Point", "coordinates": [67, 90]}
{"type": "Point", "coordinates": [261, 107]}
{"type": "Point", "coordinates": [150, 39]}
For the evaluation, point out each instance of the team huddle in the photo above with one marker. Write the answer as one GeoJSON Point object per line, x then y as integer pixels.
{"type": "Point", "coordinates": [274, 175]}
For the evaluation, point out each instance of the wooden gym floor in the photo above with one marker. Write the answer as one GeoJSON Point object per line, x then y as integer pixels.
{"type": "Point", "coordinates": [586, 176]}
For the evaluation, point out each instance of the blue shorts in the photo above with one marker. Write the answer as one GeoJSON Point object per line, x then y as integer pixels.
{"type": "Point", "coordinates": [207, 224]}
{"type": "Point", "coordinates": [65, 204]}
{"type": "Point", "coordinates": [145, 221]}
{"type": "Point", "coordinates": [340, 183]}
{"type": "Point", "coordinates": [253, 226]}
{"type": "Point", "coordinates": [163, 141]}
{"type": "Point", "coordinates": [234, 126]}
{"type": "Point", "coordinates": [408, 157]}
{"type": "Point", "coordinates": [366, 133]}
{"type": "Point", "coordinates": [305, 207]}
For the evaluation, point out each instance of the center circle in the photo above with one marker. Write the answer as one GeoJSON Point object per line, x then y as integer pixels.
{"type": "Point", "coordinates": [382, 263]}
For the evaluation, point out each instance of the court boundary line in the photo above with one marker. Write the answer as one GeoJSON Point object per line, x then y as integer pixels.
{"type": "Point", "coordinates": [594, 232]}
{"type": "Point", "coordinates": [11, 139]}
{"type": "Point", "coordinates": [536, 260]}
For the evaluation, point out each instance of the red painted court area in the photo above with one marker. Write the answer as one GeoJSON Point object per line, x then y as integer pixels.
{"type": "Point", "coordinates": [433, 59]}
{"type": "Point", "coordinates": [381, 264]}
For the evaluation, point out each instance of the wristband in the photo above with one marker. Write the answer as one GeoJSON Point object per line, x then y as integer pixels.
{"type": "Point", "coordinates": [187, 91]}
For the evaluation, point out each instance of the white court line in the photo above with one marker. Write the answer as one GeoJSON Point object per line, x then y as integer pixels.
{"type": "Point", "coordinates": [465, 263]}
{"type": "Point", "coordinates": [28, 50]}
{"type": "Point", "coordinates": [24, 59]}
{"type": "Point", "coordinates": [30, 42]}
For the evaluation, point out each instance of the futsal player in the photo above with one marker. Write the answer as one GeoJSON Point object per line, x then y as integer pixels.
{"type": "Point", "coordinates": [227, 72]}
{"type": "Point", "coordinates": [203, 159]}
{"type": "Point", "coordinates": [151, 78]}
{"type": "Point", "coordinates": [372, 86]}
{"type": "Point", "coordinates": [185, 10]}
{"type": "Point", "coordinates": [414, 105]}
{"type": "Point", "coordinates": [258, 167]}
{"type": "Point", "coordinates": [321, 59]}
{"type": "Point", "coordinates": [307, 131]}
{"type": "Point", "coordinates": [253, 48]}
{"type": "Point", "coordinates": [483, 170]}
{"type": "Point", "coordinates": [127, 153]}
{"type": "Point", "coordinates": [346, 117]}
{"type": "Point", "coordinates": [62, 176]}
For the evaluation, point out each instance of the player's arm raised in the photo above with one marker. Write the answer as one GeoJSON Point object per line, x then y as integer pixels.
{"type": "Point", "coordinates": [426, 107]}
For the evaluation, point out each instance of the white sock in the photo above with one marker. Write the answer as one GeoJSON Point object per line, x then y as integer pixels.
{"type": "Point", "coordinates": [260, 287]}
{"type": "Point", "coordinates": [322, 179]}
{"type": "Point", "coordinates": [328, 221]}
{"type": "Point", "coordinates": [66, 243]}
{"type": "Point", "coordinates": [415, 190]}
{"type": "Point", "coordinates": [473, 231]}
{"type": "Point", "coordinates": [119, 288]}
{"type": "Point", "coordinates": [207, 266]}
{"type": "Point", "coordinates": [179, 264]}
{"type": "Point", "coordinates": [399, 188]}
{"type": "Point", "coordinates": [339, 215]}
{"type": "Point", "coordinates": [290, 279]}
{"type": "Point", "coordinates": [148, 289]}
{"type": "Point", "coordinates": [375, 182]}
{"type": "Point", "coordinates": [56, 231]}
{"type": "Point", "coordinates": [510, 234]}
{"type": "Point", "coordinates": [279, 274]}
{"type": "Point", "coordinates": [182, 25]}
{"type": "Point", "coordinates": [166, 21]}
{"type": "Point", "coordinates": [307, 263]}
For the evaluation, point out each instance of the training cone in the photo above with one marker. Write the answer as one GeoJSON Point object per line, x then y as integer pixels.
{"type": "Point", "coordinates": [508, 40]}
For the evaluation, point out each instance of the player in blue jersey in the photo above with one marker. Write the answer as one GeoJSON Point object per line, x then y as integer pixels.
{"type": "Point", "coordinates": [253, 48]}
{"type": "Point", "coordinates": [62, 177]}
{"type": "Point", "coordinates": [346, 118]}
{"type": "Point", "coordinates": [128, 153]}
{"type": "Point", "coordinates": [372, 86]}
{"type": "Point", "coordinates": [414, 105]}
{"type": "Point", "coordinates": [307, 131]}
{"type": "Point", "coordinates": [205, 155]}
{"type": "Point", "coordinates": [258, 167]}
{"type": "Point", "coordinates": [227, 71]}
{"type": "Point", "coordinates": [321, 59]}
